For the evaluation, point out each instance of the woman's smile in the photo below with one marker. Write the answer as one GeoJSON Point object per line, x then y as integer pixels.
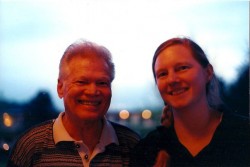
{"type": "Point", "coordinates": [178, 91]}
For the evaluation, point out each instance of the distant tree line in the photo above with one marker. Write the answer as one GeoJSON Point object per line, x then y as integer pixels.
{"type": "Point", "coordinates": [38, 109]}
{"type": "Point", "coordinates": [236, 96]}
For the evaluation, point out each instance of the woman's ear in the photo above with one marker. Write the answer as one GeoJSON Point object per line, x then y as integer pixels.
{"type": "Point", "coordinates": [60, 88]}
{"type": "Point", "coordinates": [210, 72]}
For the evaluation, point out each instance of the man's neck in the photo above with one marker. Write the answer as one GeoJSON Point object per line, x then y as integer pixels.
{"type": "Point", "coordinates": [87, 131]}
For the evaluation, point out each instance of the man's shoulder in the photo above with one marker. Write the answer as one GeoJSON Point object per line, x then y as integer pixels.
{"type": "Point", "coordinates": [125, 132]}
{"type": "Point", "coordinates": [31, 141]}
{"type": "Point", "coordinates": [41, 127]}
{"type": "Point", "coordinates": [37, 132]}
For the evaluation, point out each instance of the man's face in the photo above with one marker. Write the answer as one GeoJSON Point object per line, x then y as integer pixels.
{"type": "Point", "coordinates": [85, 88]}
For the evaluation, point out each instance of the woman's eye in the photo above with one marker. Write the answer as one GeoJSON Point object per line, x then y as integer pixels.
{"type": "Point", "coordinates": [181, 68]}
{"type": "Point", "coordinates": [162, 74]}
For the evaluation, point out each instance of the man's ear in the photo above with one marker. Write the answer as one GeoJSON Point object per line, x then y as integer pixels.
{"type": "Point", "coordinates": [60, 88]}
{"type": "Point", "coordinates": [210, 72]}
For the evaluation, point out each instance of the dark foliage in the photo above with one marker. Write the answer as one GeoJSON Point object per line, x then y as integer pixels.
{"type": "Point", "coordinates": [39, 109]}
{"type": "Point", "coordinates": [236, 96]}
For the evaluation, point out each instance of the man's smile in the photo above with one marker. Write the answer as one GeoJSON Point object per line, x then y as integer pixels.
{"type": "Point", "coordinates": [89, 103]}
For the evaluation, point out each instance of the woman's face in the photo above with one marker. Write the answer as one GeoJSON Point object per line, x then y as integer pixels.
{"type": "Point", "coordinates": [181, 80]}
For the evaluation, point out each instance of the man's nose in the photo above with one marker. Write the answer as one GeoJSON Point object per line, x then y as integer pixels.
{"type": "Point", "coordinates": [92, 89]}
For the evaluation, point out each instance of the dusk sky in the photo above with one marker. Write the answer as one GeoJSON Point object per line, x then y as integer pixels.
{"type": "Point", "coordinates": [35, 33]}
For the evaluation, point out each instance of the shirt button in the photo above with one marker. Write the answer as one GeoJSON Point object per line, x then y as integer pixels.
{"type": "Point", "coordinates": [77, 145]}
{"type": "Point", "coordinates": [86, 156]}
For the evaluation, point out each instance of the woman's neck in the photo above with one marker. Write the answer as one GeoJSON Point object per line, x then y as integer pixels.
{"type": "Point", "coordinates": [191, 119]}
{"type": "Point", "coordinates": [195, 128]}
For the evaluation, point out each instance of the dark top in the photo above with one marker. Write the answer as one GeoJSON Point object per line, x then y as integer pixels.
{"type": "Point", "coordinates": [36, 147]}
{"type": "Point", "coordinates": [228, 147]}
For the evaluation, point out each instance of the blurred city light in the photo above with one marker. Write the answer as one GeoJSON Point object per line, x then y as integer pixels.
{"type": "Point", "coordinates": [6, 147]}
{"type": "Point", "coordinates": [146, 114]}
{"type": "Point", "coordinates": [124, 114]}
{"type": "Point", "coordinates": [7, 120]}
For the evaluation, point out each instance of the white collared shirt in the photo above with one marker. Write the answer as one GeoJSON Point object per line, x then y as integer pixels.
{"type": "Point", "coordinates": [108, 136]}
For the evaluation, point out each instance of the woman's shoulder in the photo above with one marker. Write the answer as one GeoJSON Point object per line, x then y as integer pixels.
{"type": "Point", "coordinates": [145, 152]}
{"type": "Point", "coordinates": [232, 119]}
{"type": "Point", "coordinates": [235, 126]}
{"type": "Point", "coordinates": [156, 136]}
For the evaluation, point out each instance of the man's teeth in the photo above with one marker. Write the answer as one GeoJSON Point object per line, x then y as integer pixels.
{"type": "Point", "coordinates": [91, 103]}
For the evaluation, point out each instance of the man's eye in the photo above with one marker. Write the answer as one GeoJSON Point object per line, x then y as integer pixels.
{"type": "Point", "coordinates": [81, 82]}
{"type": "Point", "coordinates": [103, 83]}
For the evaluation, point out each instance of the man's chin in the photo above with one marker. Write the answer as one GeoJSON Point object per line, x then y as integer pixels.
{"type": "Point", "coordinates": [91, 117]}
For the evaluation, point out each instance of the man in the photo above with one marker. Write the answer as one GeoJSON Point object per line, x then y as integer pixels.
{"type": "Point", "coordinates": [80, 136]}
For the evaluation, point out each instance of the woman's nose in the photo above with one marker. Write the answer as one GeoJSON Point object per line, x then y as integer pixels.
{"type": "Point", "coordinates": [172, 78]}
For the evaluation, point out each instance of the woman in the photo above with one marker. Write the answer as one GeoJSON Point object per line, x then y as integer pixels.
{"type": "Point", "coordinates": [198, 131]}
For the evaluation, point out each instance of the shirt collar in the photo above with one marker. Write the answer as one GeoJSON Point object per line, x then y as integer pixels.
{"type": "Point", "coordinates": [108, 135]}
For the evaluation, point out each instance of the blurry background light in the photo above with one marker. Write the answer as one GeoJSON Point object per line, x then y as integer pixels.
{"type": "Point", "coordinates": [7, 120]}
{"type": "Point", "coordinates": [146, 114]}
{"type": "Point", "coordinates": [124, 114]}
{"type": "Point", "coordinates": [6, 147]}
